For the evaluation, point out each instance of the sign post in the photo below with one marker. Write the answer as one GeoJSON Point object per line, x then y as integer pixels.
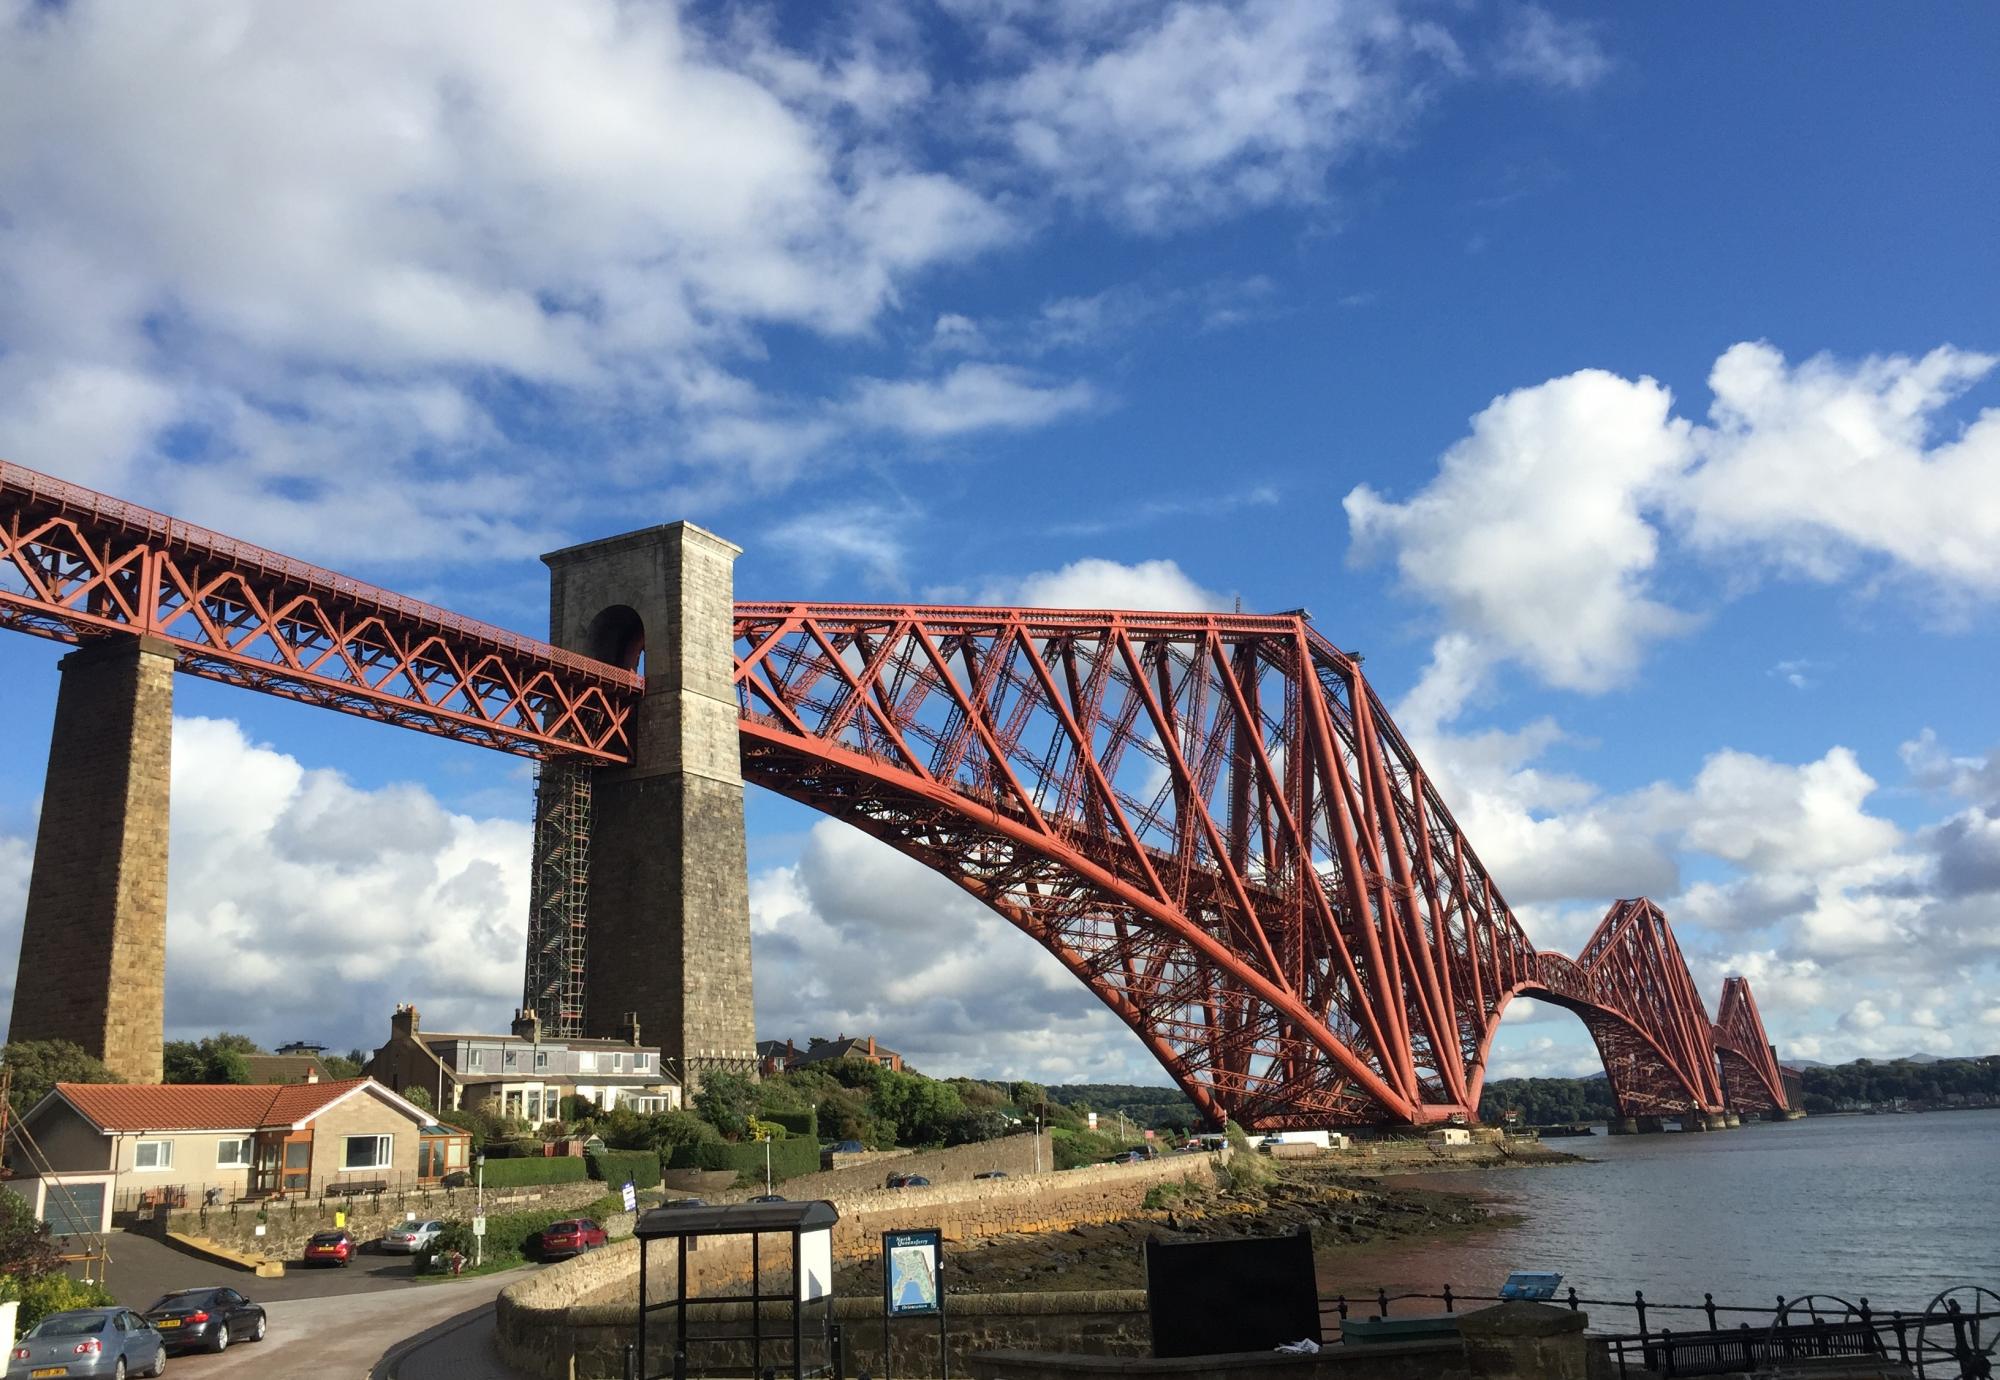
{"type": "Point", "coordinates": [913, 1287]}
{"type": "Point", "coordinates": [631, 1196]}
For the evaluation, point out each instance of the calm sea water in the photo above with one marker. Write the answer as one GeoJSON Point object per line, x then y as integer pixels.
{"type": "Point", "coordinates": [1891, 1207]}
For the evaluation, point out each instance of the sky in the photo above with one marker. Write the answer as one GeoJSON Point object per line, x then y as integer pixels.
{"type": "Point", "coordinates": [1623, 382]}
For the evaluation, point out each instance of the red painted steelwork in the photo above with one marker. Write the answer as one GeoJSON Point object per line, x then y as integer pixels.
{"type": "Point", "coordinates": [1207, 818]}
{"type": "Point", "coordinates": [1210, 820]}
{"type": "Point", "coordinates": [76, 565]}
{"type": "Point", "coordinates": [1750, 1077]}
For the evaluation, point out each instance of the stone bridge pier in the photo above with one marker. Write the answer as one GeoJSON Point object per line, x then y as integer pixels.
{"type": "Point", "coordinates": [668, 910]}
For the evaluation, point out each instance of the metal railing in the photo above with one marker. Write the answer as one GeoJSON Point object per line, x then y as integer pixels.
{"type": "Point", "coordinates": [1947, 1343]}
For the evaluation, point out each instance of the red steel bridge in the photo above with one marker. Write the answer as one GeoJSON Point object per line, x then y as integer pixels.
{"type": "Point", "coordinates": [1208, 818]}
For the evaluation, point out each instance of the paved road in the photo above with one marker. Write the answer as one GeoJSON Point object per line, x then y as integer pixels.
{"type": "Point", "coordinates": [371, 1319]}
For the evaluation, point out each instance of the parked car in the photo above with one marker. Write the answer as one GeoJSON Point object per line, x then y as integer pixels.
{"type": "Point", "coordinates": [768, 1198]}
{"type": "Point", "coordinates": [329, 1248]}
{"type": "Point", "coordinates": [1129, 1157]}
{"type": "Point", "coordinates": [908, 1181]}
{"type": "Point", "coordinates": [845, 1147]}
{"type": "Point", "coordinates": [205, 1319]}
{"type": "Point", "coordinates": [90, 1341]}
{"type": "Point", "coordinates": [573, 1236]}
{"type": "Point", "coordinates": [991, 1174]}
{"type": "Point", "coordinates": [684, 1202]}
{"type": "Point", "coordinates": [407, 1238]}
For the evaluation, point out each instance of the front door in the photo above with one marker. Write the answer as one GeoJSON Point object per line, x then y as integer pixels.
{"type": "Point", "coordinates": [264, 1172]}
{"type": "Point", "coordinates": [298, 1163]}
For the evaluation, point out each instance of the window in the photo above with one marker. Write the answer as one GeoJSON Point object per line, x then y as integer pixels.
{"type": "Point", "coordinates": [367, 1152]}
{"type": "Point", "coordinates": [510, 1058]}
{"type": "Point", "coordinates": [153, 1154]}
{"type": "Point", "coordinates": [618, 1063]}
{"type": "Point", "coordinates": [534, 1105]}
{"type": "Point", "coordinates": [541, 1060]}
{"type": "Point", "coordinates": [232, 1152]}
{"type": "Point", "coordinates": [475, 1060]}
{"type": "Point", "coordinates": [586, 1061]}
{"type": "Point", "coordinates": [642, 1062]}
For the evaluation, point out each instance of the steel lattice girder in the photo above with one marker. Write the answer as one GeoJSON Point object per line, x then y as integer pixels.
{"type": "Point", "coordinates": [76, 565]}
{"type": "Point", "coordinates": [1211, 821]}
{"type": "Point", "coordinates": [1750, 1077]}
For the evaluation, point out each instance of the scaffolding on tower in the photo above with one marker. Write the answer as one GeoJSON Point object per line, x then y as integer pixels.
{"type": "Point", "coordinates": [559, 897]}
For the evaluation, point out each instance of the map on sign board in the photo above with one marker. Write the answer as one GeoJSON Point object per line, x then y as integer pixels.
{"type": "Point", "coordinates": [631, 1196]}
{"type": "Point", "coordinates": [910, 1271]}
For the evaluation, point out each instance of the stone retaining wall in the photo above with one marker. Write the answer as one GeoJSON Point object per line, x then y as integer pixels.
{"type": "Point", "coordinates": [288, 1222]}
{"type": "Point", "coordinates": [1012, 1155]}
{"type": "Point", "coordinates": [574, 1306]}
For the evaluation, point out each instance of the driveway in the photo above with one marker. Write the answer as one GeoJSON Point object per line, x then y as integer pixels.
{"type": "Point", "coordinates": [371, 1319]}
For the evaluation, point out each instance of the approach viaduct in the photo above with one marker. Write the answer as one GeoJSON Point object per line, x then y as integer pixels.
{"type": "Point", "coordinates": [1208, 818]}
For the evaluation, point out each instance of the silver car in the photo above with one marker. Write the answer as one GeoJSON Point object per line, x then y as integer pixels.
{"type": "Point", "coordinates": [407, 1238]}
{"type": "Point", "coordinates": [89, 1341]}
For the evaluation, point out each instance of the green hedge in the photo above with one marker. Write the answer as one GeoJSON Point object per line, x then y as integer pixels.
{"type": "Point", "coordinates": [640, 1168]}
{"type": "Point", "coordinates": [789, 1158]}
{"type": "Point", "coordinates": [542, 1169]}
{"type": "Point", "coordinates": [804, 1123]}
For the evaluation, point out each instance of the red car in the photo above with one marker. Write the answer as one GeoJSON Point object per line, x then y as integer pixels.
{"type": "Point", "coordinates": [329, 1248]}
{"type": "Point", "coordinates": [574, 1237]}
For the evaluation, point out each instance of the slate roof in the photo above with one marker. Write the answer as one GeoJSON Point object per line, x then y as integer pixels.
{"type": "Point", "coordinates": [284, 1068]}
{"type": "Point", "coordinates": [202, 1106]}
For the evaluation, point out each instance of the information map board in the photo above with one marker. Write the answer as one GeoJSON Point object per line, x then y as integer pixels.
{"type": "Point", "coordinates": [910, 1272]}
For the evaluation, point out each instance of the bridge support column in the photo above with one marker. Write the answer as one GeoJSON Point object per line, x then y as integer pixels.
{"type": "Point", "coordinates": [1622, 1126]}
{"type": "Point", "coordinates": [1730, 1121]}
{"type": "Point", "coordinates": [668, 919]}
{"type": "Point", "coordinates": [93, 943]}
{"type": "Point", "coordinates": [1651, 1126]}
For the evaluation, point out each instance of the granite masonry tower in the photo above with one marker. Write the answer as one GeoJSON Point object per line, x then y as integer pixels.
{"type": "Point", "coordinates": [94, 941]}
{"type": "Point", "coordinates": [641, 902]}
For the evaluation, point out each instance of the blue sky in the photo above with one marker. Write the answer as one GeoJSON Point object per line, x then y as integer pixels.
{"type": "Point", "coordinates": [1620, 380]}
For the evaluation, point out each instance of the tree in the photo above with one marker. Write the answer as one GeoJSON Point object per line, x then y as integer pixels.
{"type": "Point", "coordinates": [727, 1101]}
{"type": "Point", "coordinates": [417, 1097]}
{"type": "Point", "coordinates": [215, 1058]}
{"type": "Point", "coordinates": [25, 1248]}
{"type": "Point", "coordinates": [38, 1065]}
{"type": "Point", "coordinates": [341, 1066]}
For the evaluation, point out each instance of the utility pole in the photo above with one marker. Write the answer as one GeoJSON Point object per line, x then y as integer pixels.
{"type": "Point", "coordinates": [479, 1209]}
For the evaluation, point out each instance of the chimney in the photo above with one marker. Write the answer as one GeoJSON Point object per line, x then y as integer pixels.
{"type": "Point", "coordinates": [527, 1025]}
{"type": "Point", "coordinates": [629, 1028]}
{"type": "Point", "coordinates": [404, 1022]}
{"type": "Point", "coordinates": [312, 1073]}
{"type": "Point", "coordinates": [871, 1046]}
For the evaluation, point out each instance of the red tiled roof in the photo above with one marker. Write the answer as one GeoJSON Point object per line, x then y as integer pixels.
{"type": "Point", "coordinates": [201, 1106]}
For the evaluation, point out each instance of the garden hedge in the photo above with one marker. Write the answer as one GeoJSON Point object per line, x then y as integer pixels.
{"type": "Point", "coordinates": [640, 1168]}
{"type": "Point", "coordinates": [804, 1123]}
{"type": "Point", "coordinates": [542, 1169]}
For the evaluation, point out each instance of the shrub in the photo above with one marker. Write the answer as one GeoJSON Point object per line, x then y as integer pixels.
{"type": "Point", "coordinates": [727, 1101]}
{"type": "Point", "coordinates": [1246, 1169]}
{"type": "Point", "coordinates": [640, 1168]}
{"type": "Point", "coordinates": [1161, 1196]}
{"type": "Point", "coordinates": [456, 1236]}
{"type": "Point", "coordinates": [542, 1169]}
{"type": "Point", "coordinates": [41, 1295]}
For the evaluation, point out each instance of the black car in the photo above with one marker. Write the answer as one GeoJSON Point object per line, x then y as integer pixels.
{"type": "Point", "coordinates": [767, 1198]}
{"type": "Point", "coordinates": [908, 1181]}
{"type": "Point", "coordinates": [991, 1174]}
{"type": "Point", "coordinates": [205, 1319]}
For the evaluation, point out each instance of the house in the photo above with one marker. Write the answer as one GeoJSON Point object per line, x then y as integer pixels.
{"type": "Point", "coordinates": [523, 1074]}
{"type": "Point", "coordinates": [775, 1056]}
{"type": "Point", "coordinates": [90, 1145]}
{"type": "Point", "coordinates": [846, 1047]}
{"type": "Point", "coordinates": [1449, 1135]}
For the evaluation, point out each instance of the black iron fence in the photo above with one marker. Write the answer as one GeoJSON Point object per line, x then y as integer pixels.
{"type": "Point", "coordinates": [1945, 1341]}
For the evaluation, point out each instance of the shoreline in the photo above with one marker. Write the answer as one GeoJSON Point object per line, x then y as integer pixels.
{"type": "Point", "coordinates": [1363, 1222]}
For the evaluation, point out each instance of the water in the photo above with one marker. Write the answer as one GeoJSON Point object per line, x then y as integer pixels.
{"type": "Point", "coordinates": [1891, 1207]}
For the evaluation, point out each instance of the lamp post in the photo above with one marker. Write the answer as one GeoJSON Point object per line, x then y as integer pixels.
{"type": "Point", "coordinates": [767, 1165]}
{"type": "Point", "coordinates": [479, 1208]}
{"type": "Point", "coordinates": [1038, 1142]}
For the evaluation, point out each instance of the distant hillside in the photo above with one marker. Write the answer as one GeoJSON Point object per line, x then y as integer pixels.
{"type": "Point", "coordinates": [1142, 1105]}
{"type": "Point", "coordinates": [1923, 1078]}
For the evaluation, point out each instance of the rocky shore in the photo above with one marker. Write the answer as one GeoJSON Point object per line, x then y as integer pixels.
{"type": "Point", "coordinates": [1345, 1211]}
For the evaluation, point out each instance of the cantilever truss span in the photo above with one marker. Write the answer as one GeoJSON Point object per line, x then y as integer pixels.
{"type": "Point", "coordinates": [1211, 821]}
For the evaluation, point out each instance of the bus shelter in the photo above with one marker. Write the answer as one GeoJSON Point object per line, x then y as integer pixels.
{"type": "Point", "coordinates": [741, 1289]}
